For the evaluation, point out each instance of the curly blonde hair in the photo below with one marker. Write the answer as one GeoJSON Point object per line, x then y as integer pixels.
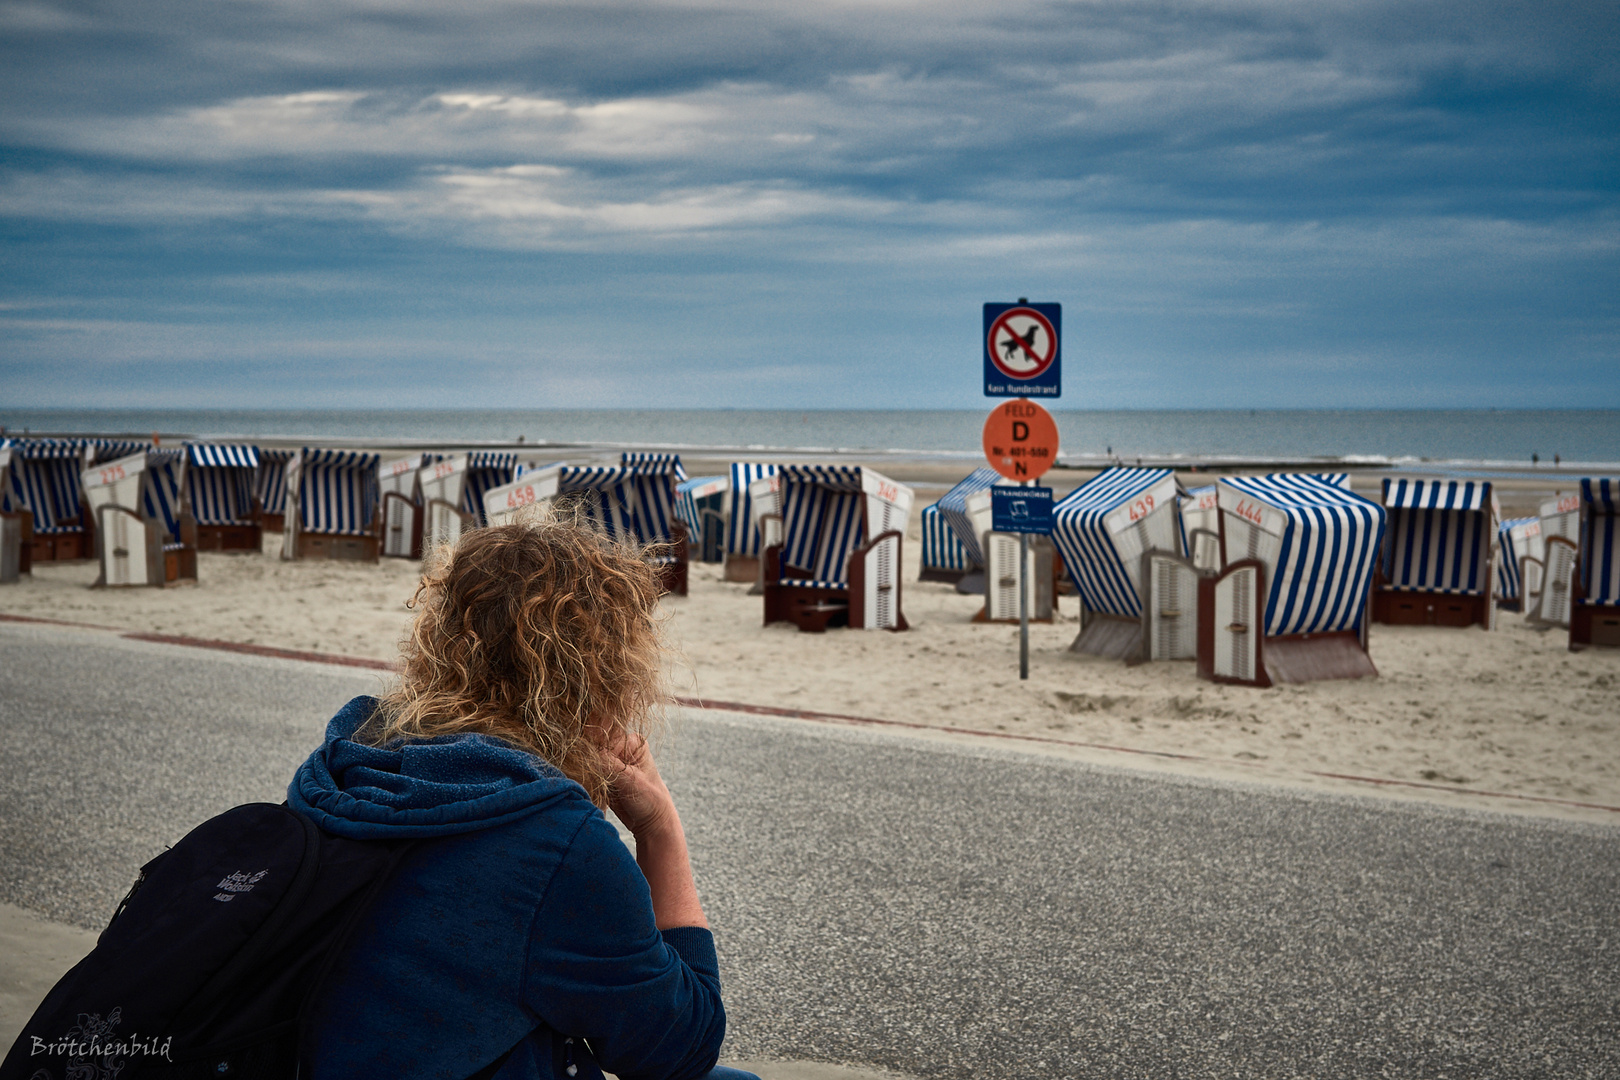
{"type": "Point", "coordinates": [544, 634]}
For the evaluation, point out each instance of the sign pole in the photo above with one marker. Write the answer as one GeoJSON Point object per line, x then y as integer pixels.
{"type": "Point", "coordinates": [1023, 605]}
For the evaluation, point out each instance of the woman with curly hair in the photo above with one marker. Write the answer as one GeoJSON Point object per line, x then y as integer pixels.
{"type": "Point", "coordinates": [518, 938]}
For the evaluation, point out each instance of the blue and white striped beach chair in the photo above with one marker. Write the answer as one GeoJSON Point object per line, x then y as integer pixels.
{"type": "Point", "coordinates": [44, 486]}
{"type": "Point", "coordinates": [1595, 618]}
{"type": "Point", "coordinates": [1437, 559]}
{"type": "Point", "coordinates": [1520, 559]}
{"type": "Point", "coordinates": [219, 491]}
{"type": "Point", "coordinates": [270, 487]}
{"type": "Point", "coordinates": [145, 535]}
{"type": "Point", "coordinates": [1291, 604]}
{"type": "Point", "coordinates": [400, 511]}
{"type": "Point", "coordinates": [951, 546]}
{"type": "Point", "coordinates": [1103, 529]}
{"type": "Point", "coordinates": [635, 500]}
{"type": "Point", "coordinates": [331, 506]}
{"type": "Point", "coordinates": [744, 542]}
{"type": "Point", "coordinates": [700, 503]}
{"type": "Point", "coordinates": [453, 493]}
{"type": "Point", "coordinates": [839, 560]}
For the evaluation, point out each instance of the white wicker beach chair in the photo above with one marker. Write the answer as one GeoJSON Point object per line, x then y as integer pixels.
{"type": "Point", "coordinates": [1595, 614]}
{"type": "Point", "coordinates": [1103, 528]}
{"type": "Point", "coordinates": [1438, 553]}
{"type": "Point", "coordinates": [999, 555]}
{"type": "Point", "coordinates": [400, 488]}
{"type": "Point", "coordinates": [453, 493]}
{"type": "Point", "coordinates": [1560, 538]}
{"type": "Point", "coordinates": [219, 492]}
{"type": "Point", "coordinates": [535, 487]}
{"type": "Point", "coordinates": [1201, 528]}
{"type": "Point", "coordinates": [1291, 604]}
{"type": "Point", "coordinates": [145, 535]}
{"type": "Point", "coordinates": [839, 560]}
{"type": "Point", "coordinates": [331, 506]}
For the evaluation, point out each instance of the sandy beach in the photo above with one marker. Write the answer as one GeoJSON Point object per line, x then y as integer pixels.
{"type": "Point", "coordinates": [1454, 712]}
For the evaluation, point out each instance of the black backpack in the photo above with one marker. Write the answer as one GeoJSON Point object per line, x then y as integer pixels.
{"type": "Point", "coordinates": [211, 963]}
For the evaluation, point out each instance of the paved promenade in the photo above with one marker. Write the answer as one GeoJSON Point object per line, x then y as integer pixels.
{"type": "Point", "coordinates": [925, 908]}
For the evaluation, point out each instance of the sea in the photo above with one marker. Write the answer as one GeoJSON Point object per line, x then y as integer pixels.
{"type": "Point", "coordinates": [1505, 436]}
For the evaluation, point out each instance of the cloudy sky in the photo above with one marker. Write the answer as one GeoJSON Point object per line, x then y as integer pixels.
{"type": "Point", "coordinates": [301, 203]}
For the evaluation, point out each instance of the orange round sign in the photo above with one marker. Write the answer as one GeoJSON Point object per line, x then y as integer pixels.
{"type": "Point", "coordinates": [1020, 440]}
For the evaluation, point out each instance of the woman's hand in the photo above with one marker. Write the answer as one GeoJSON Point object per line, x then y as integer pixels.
{"type": "Point", "coordinates": [642, 801]}
{"type": "Point", "coordinates": [639, 796]}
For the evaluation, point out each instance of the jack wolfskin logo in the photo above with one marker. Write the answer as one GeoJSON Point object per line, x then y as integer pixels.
{"type": "Point", "coordinates": [239, 882]}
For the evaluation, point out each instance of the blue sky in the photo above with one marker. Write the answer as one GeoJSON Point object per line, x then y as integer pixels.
{"type": "Point", "coordinates": [526, 205]}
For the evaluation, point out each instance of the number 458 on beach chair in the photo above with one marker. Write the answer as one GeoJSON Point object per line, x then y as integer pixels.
{"type": "Point", "coordinates": [839, 560]}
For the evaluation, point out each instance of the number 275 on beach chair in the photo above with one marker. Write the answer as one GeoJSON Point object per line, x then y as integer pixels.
{"type": "Point", "coordinates": [839, 559]}
{"type": "Point", "coordinates": [144, 534]}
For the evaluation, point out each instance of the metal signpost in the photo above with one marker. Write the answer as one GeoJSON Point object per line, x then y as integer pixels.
{"type": "Point", "coordinates": [1021, 443]}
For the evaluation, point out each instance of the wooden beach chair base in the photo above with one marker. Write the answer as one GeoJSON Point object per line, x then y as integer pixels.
{"type": "Point", "coordinates": [272, 523]}
{"type": "Point", "coordinates": [58, 547]}
{"type": "Point", "coordinates": [312, 545]}
{"type": "Point", "coordinates": [1594, 624]}
{"type": "Point", "coordinates": [230, 538]}
{"type": "Point", "coordinates": [20, 530]}
{"type": "Point", "coordinates": [743, 569]}
{"type": "Point", "coordinates": [1395, 607]}
{"type": "Point", "coordinates": [1112, 637]}
{"type": "Point", "coordinates": [1302, 658]}
{"type": "Point", "coordinates": [810, 608]}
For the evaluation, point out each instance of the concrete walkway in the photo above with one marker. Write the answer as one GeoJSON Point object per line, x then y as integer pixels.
{"type": "Point", "coordinates": [34, 952]}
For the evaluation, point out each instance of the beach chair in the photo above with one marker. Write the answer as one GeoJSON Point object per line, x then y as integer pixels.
{"type": "Point", "coordinates": [145, 534]}
{"type": "Point", "coordinates": [16, 520]}
{"type": "Point", "coordinates": [331, 506]}
{"type": "Point", "coordinates": [453, 493]}
{"type": "Point", "coordinates": [270, 488]}
{"type": "Point", "coordinates": [400, 489]}
{"type": "Point", "coordinates": [1102, 529]}
{"type": "Point", "coordinates": [219, 480]}
{"type": "Point", "coordinates": [951, 540]}
{"type": "Point", "coordinates": [839, 560]}
{"type": "Point", "coordinates": [634, 500]}
{"type": "Point", "coordinates": [1521, 557]}
{"type": "Point", "coordinates": [1201, 528]}
{"type": "Point", "coordinates": [1000, 569]}
{"type": "Point", "coordinates": [700, 503]}
{"type": "Point", "coordinates": [1595, 616]}
{"type": "Point", "coordinates": [1560, 522]}
{"type": "Point", "coordinates": [45, 486]}
{"type": "Point", "coordinates": [1438, 553]}
{"type": "Point", "coordinates": [1291, 602]}
{"type": "Point", "coordinates": [743, 540]}
{"type": "Point", "coordinates": [535, 486]}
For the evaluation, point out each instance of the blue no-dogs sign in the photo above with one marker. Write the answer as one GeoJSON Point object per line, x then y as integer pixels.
{"type": "Point", "coordinates": [1021, 356]}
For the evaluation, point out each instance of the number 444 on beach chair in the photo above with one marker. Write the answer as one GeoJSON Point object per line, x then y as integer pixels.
{"type": "Point", "coordinates": [839, 560]}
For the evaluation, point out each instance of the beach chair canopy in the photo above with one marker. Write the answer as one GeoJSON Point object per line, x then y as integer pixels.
{"type": "Point", "coordinates": [219, 482]}
{"type": "Point", "coordinates": [1319, 543]}
{"type": "Point", "coordinates": [742, 532]}
{"type": "Point", "coordinates": [634, 499]}
{"type": "Point", "coordinates": [953, 508]}
{"type": "Point", "coordinates": [826, 512]}
{"type": "Point", "coordinates": [1517, 539]}
{"type": "Point", "coordinates": [486, 470]}
{"type": "Point", "coordinates": [1600, 561]}
{"type": "Point", "coordinates": [1440, 534]}
{"type": "Point", "coordinates": [270, 485]}
{"type": "Point", "coordinates": [942, 549]}
{"type": "Point", "coordinates": [1102, 527]}
{"type": "Point", "coordinates": [337, 494]}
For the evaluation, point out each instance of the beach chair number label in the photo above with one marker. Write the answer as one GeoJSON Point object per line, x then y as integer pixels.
{"type": "Point", "coordinates": [443, 469]}
{"type": "Point", "coordinates": [522, 496]}
{"type": "Point", "coordinates": [1568, 503]}
{"type": "Point", "coordinates": [1248, 511]}
{"type": "Point", "coordinates": [1141, 508]}
{"type": "Point", "coordinates": [888, 492]}
{"type": "Point", "coordinates": [112, 474]}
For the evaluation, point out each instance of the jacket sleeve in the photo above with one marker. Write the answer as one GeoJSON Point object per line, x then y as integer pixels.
{"type": "Point", "coordinates": [598, 967]}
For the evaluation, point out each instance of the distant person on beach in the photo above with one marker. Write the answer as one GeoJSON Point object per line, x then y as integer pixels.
{"type": "Point", "coordinates": [519, 936]}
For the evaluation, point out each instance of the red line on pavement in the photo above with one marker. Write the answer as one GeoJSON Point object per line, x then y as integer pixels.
{"type": "Point", "coordinates": [801, 714]}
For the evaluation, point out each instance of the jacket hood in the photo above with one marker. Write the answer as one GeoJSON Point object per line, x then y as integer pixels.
{"type": "Point", "coordinates": [430, 787]}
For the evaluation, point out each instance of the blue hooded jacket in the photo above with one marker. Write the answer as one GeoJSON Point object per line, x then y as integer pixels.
{"type": "Point", "coordinates": [518, 920]}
